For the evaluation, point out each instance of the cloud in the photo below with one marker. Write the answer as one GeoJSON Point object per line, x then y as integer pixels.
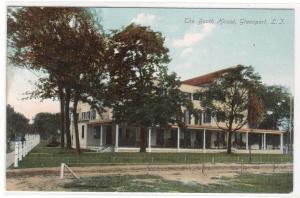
{"type": "Point", "coordinates": [193, 37]}
{"type": "Point", "coordinates": [186, 51]}
{"type": "Point", "coordinates": [144, 19]}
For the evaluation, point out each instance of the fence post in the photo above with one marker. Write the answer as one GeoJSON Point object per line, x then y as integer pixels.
{"type": "Point", "coordinates": [30, 142]}
{"type": "Point", "coordinates": [62, 170]}
{"type": "Point", "coordinates": [24, 149]}
{"type": "Point", "coordinates": [242, 166]}
{"type": "Point", "coordinates": [27, 145]}
{"type": "Point", "coordinates": [20, 151]}
{"type": "Point", "coordinates": [16, 154]}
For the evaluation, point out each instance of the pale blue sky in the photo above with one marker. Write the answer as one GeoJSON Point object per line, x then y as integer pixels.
{"type": "Point", "coordinates": [196, 49]}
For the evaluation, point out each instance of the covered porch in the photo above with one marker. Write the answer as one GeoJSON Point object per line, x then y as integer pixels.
{"type": "Point", "coordinates": [123, 138]}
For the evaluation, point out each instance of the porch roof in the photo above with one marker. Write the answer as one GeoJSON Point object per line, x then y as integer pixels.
{"type": "Point", "coordinates": [207, 127]}
{"type": "Point", "coordinates": [244, 130]}
{"type": "Point", "coordinates": [101, 122]}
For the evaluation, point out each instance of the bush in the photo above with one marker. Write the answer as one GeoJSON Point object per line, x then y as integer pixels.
{"type": "Point", "coordinates": [52, 142]}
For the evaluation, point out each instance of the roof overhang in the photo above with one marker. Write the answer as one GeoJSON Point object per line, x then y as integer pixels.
{"type": "Point", "coordinates": [243, 130]}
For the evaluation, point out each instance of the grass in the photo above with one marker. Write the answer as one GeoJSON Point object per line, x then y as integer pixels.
{"type": "Point", "coordinates": [43, 156]}
{"type": "Point", "coordinates": [246, 183]}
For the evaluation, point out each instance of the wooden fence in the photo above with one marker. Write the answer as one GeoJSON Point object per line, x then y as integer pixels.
{"type": "Point", "coordinates": [22, 148]}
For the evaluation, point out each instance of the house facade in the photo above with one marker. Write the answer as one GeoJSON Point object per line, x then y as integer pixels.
{"type": "Point", "coordinates": [201, 133]}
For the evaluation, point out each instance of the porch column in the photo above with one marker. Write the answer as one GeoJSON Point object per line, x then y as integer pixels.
{"type": "Point", "coordinates": [247, 141]}
{"type": "Point", "coordinates": [281, 143]}
{"type": "Point", "coordinates": [204, 140]}
{"type": "Point", "coordinates": [178, 139]}
{"type": "Point", "coordinates": [149, 140]}
{"type": "Point", "coordinates": [117, 138]}
{"type": "Point", "coordinates": [101, 135]}
{"type": "Point", "coordinates": [265, 144]}
{"type": "Point", "coordinates": [262, 141]}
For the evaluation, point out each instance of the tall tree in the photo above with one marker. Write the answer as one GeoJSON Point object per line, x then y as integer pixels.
{"type": "Point", "coordinates": [228, 99]}
{"type": "Point", "coordinates": [89, 75]}
{"type": "Point", "coordinates": [278, 105]}
{"type": "Point", "coordinates": [44, 39]}
{"type": "Point", "coordinates": [46, 124]}
{"type": "Point", "coordinates": [279, 113]}
{"type": "Point", "coordinates": [36, 36]}
{"type": "Point", "coordinates": [139, 86]}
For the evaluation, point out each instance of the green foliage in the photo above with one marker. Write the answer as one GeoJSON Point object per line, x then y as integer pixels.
{"type": "Point", "coordinates": [66, 46]}
{"type": "Point", "coordinates": [228, 97]}
{"type": "Point", "coordinates": [46, 124]}
{"type": "Point", "coordinates": [63, 43]}
{"type": "Point", "coordinates": [278, 103]}
{"type": "Point", "coordinates": [17, 124]}
{"type": "Point", "coordinates": [141, 92]}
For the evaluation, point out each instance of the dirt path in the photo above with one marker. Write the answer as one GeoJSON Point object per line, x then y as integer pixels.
{"type": "Point", "coordinates": [47, 179]}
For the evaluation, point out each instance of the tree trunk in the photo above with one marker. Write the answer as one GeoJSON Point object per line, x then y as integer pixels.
{"type": "Point", "coordinates": [75, 122]}
{"type": "Point", "coordinates": [62, 117]}
{"type": "Point", "coordinates": [67, 118]}
{"type": "Point", "coordinates": [143, 143]}
{"type": "Point", "coordinates": [229, 142]}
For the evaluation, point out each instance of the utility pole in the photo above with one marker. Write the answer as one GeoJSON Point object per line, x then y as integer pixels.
{"type": "Point", "coordinates": [290, 123]}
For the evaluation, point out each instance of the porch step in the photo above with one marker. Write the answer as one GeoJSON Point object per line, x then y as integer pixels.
{"type": "Point", "coordinates": [107, 149]}
{"type": "Point", "coordinates": [102, 149]}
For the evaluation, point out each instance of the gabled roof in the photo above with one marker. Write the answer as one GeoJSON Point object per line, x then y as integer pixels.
{"type": "Point", "coordinates": [207, 78]}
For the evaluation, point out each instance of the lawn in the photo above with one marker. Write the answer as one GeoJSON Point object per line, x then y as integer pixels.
{"type": "Point", "coordinates": [43, 156]}
{"type": "Point", "coordinates": [246, 183]}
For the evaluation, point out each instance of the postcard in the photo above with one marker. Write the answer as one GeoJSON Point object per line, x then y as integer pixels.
{"type": "Point", "coordinates": [164, 99]}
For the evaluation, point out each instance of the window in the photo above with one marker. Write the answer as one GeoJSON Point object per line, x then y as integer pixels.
{"type": "Point", "coordinates": [93, 114]}
{"type": "Point", "coordinates": [187, 95]}
{"type": "Point", "coordinates": [207, 116]}
{"type": "Point", "coordinates": [187, 117]}
{"type": "Point", "coordinates": [198, 118]}
{"type": "Point", "coordinates": [197, 96]}
{"type": "Point", "coordinates": [220, 117]}
{"type": "Point", "coordinates": [82, 131]}
{"type": "Point", "coordinates": [238, 118]}
{"type": "Point", "coordinates": [97, 132]}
